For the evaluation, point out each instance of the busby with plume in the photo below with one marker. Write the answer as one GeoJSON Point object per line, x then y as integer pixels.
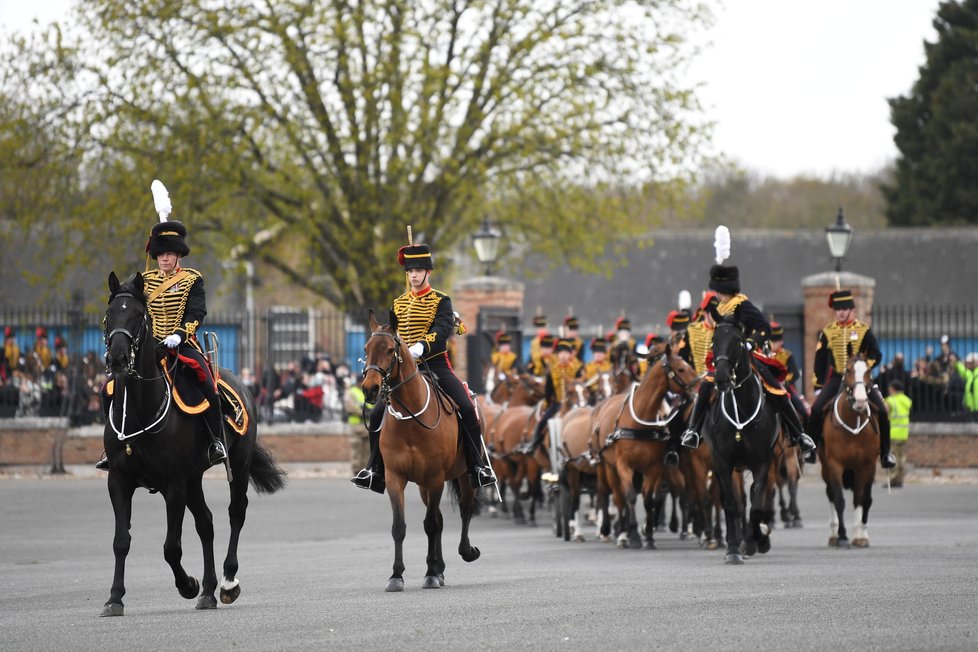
{"type": "Point", "coordinates": [723, 278]}
{"type": "Point", "coordinates": [166, 235]}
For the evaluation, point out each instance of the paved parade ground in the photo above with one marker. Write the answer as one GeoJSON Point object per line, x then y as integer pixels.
{"type": "Point", "coordinates": [315, 559]}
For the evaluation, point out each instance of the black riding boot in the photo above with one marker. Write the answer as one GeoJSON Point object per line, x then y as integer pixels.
{"type": "Point", "coordinates": [372, 476]}
{"type": "Point", "coordinates": [887, 459]}
{"type": "Point", "coordinates": [103, 462]}
{"type": "Point", "coordinates": [691, 438]}
{"type": "Point", "coordinates": [479, 470]}
{"type": "Point", "coordinates": [792, 423]}
{"type": "Point", "coordinates": [672, 441]}
{"type": "Point", "coordinates": [538, 433]}
{"type": "Point", "coordinates": [216, 453]}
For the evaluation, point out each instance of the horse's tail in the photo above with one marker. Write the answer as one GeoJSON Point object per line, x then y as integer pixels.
{"type": "Point", "coordinates": [455, 492]}
{"type": "Point", "coordinates": [267, 477]}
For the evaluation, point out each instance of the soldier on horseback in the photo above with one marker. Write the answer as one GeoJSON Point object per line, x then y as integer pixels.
{"type": "Point", "coordinates": [599, 364]}
{"type": "Point", "coordinates": [838, 341]}
{"type": "Point", "coordinates": [733, 305]}
{"type": "Point", "coordinates": [425, 322]}
{"type": "Point", "coordinates": [177, 303]}
{"type": "Point", "coordinates": [572, 333]}
{"type": "Point", "coordinates": [503, 359]}
{"type": "Point", "coordinates": [567, 366]}
{"type": "Point", "coordinates": [541, 362]}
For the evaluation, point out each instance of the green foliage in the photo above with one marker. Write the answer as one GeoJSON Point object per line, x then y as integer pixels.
{"type": "Point", "coordinates": [937, 129]}
{"type": "Point", "coordinates": [329, 126]}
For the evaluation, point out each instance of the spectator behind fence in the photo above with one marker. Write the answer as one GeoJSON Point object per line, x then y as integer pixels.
{"type": "Point", "coordinates": [10, 356]}
{"type": "Point", "coordinates": [967, 371]}
{"type": "Point", "coordinates": [896, 370]}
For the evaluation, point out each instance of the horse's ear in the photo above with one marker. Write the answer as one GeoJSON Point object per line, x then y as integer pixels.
{"type": "Point", "coordinates": [372, 321]}
{"type": "Point", "coordinates": [137, 283]}
{"type": "Point", "coordinates": [392, 320]}
{"type": "Point", "coordinates": [113, 283]}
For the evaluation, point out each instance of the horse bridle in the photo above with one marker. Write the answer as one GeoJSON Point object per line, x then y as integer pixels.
{"type": "Point", "coordinates": [134, 340]}
{"type": "Point", "coordinates": [671, 374]}
{"type": "Point", "coordinates": [386, 392]}
{"type": "Point", "coordinates": [734, 365]}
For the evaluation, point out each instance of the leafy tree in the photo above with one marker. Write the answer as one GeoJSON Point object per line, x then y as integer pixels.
{"type": "Point", "coordinates": [329, 126]}
{"type": "Point", "coordinates": [937, 128]}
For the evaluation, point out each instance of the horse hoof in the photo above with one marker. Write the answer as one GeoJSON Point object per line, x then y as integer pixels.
{"type": "Point", "coordinates": [441, 579]}
{"type": "Point", "coordinates": [764, 545]}
{"type": "Point", "coordinates": [395, 585]}
{"type": "Point", "coordinates": [579, 538]}
{"type": "Point", "coordinates": [604, 538]}
{"type": "Point", "coordinates": [860, 543]}
{"type": "Point", "coordinates": [206, 602]}
{"type": "Point", "coordinates": [649, 545]}
{"type": "Point", "coordinates": [470, 555]}
{"type": "Point", "coordinates": [431, 582]}
{"type": "Point", "coordinates": [519, 520]}
{"type": "Point", "coordinates": [833, 542]}
{"type": "Point", "coordinates": [797, 524]}
{"type": "Point", "coordinates": [112, 609]}
{"type": "Point", "coordinates": [733, 558]}
{"type": "Point", "coordinates": [750, 548]}
{"type": "Point", "coordinates": [844, 544]}
{"type": "Point", "coordinates": [712, 545]}
{"type": "Point", "coordinates": [230, 595]}
{"type": "Point", "coordinates": [193, 588]}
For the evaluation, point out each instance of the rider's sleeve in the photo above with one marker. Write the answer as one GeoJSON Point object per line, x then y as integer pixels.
{"type": "Point", "coordinates": [793, 371]}
{"type": "Point", "coordinates": [823, 359]}
{"type": "Point", "coordinates": [194, 312]}
{"type": "Point", "coordinates": [685, 351]}
{"type": "Point", "coordinates": [871, 349]}
{"type": "Point", "coordinates": [755, 321]}
{"type": "Point", "coordinates": [442, 328]}
{"type": "Point", "coordinates": [549, 391]}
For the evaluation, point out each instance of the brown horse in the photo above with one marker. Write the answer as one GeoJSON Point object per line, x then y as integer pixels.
{"type": "Point", "coordinates": [419, 441]}
{"type": "Point", "coordinates": [633, 430]}
{"type": "Point", "coordinates": [788, 464]}
{"type": "Point", "coordinates": [851, 442]}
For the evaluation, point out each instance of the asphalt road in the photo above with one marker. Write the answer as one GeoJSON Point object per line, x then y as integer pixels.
{"type": "Point", "coordinates": [315, 559]}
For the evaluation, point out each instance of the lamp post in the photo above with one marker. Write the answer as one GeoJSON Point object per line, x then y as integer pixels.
{"type": "Point", "coordinates": [486, 241]}
{"type": "Point", "coordinates": [838, 235]}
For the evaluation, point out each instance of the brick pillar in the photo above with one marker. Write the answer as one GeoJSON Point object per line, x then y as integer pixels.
{"type": "Point", "coordinates": [467, 298]}
{"type": "Point", "coordinates": [817, 289]}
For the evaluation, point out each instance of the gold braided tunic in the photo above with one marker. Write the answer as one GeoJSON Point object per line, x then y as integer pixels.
{"type": "Point", "coordinates": [181, 307]}
{"type": "Point", "coordinates": [697, 343]}
{"type": "Point", "coordinates": [503, 361]}
{"type": "Point", "coordinates": [837, 342]}
{"type": "Point", "coordinates": [426, 317]}
{"type": "Point", "coordinates": [556, 389]}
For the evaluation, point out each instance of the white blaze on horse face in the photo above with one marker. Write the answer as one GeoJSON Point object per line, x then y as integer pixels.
{"type": "Point", "coordinates": [859, 391]}
{"type": "Point", "coordinates": [581, 401]}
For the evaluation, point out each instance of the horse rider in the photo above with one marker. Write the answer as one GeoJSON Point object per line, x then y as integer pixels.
{"type": "Point", "coordinates": [599, 363]}
{"type": "Point", "coordinates": [425, 322]}
{"type": "Point", "coordinates": [544, 356]}
{"type": "Point", "coordinates": [178, 304]}
{"type": "Point", "coordinates": [787, 360]}
{"type": "Point", "coordinates": [622, 343]}
{"type": "Point", "coordinates": [732, 304]}
{"type": "Point", "coordinates": [503, 359]}
{"type": "Point", "coordinates": [837, 342]}
{"type": "Point", "coordinates": [565, 367]}
{"type": "Point", "coordinates": [572, 333]}
{"type": "Point", "coordinates": [540, 323]}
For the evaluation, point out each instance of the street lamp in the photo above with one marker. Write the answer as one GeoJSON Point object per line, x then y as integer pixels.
{"type": "Point", "coordinates": [839, 235]}
{"type": "Point", "coordinates": [486, 241]}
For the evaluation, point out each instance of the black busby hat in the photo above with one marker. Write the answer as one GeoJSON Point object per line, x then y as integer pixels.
{"type": "Point", "coordinates": [547, 341]}
{"type": "Point", "coordinates": [570, 321]}
{"type": "Point", "coordinates": [622, 323]}
{"type": "Point", "coordinates": [504, 338]}
{"type": "Point", "coordinates": [564, 345]}
{"type": "Point", "coordinates": [678, 320]}
{"type": "Point", "coordinates": [777, 331]}
{"type": "Point", "coordinates": [652, 339]}
{"type": "Point", "coordinates": [417, 256]}
{"type": "Point", "coordinates": [841, 300]}
{"type": "Point", "coordinates": [540, 321]}
{"type": "Point", "coordinates": [167, 236]}
{"type": "Point", "coordinates": [725, 279]}
{"type": "Point", "coordinates": [599, 345]}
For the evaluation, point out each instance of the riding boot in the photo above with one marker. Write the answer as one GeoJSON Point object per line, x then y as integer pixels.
{"type": "Point", "coordinates": [103, 462]}
{"type": "Point", "coordinates": [527, 448]}
{"type": "Point", "coordinates": [691, 438]}
{"type": "Point", "coordinates": [887, 459]}
{"type": "Point", "coordinates": [472, 445]}
{"type": "Point", "coordinates": [792, 423]}
{"type": "Point", "coordinates": [372, 476]}
{"type": "Point", "coordinates": [216, 453]}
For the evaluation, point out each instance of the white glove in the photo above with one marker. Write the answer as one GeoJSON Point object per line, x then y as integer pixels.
{"type": "Point", "coordinates": [416, 350]}
{"type": "Point", "coordinates": [172, 341]}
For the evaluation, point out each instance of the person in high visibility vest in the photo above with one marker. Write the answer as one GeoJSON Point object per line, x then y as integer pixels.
{"type": "Point", "coordinates": [353, 402]}
{"type": "Point", "coordinates": [898, 404]}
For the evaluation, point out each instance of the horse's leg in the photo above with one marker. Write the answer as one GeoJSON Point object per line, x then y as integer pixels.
{"type": "Point", "coordinates": [433, 526]}
{"type": "Point", "coordinates": [204, 522]}
{"type": "Point", "coordinates": [516, 483]}
{"type": "Point", "coordinates": [794, 477]}
{"type": "Point", "coordinates": [732, 513]}
{"type": "Point", "coordinates": [761, 508]}
{"type": "Point", "coordinates": [604, 505]}
{"type": "Point", "coordinates": [837, 498]}
{"type": "Point", "coordinates": [651, 486]}
{"type": "Point", "coordinates": [230, 588]}
{"type": "Point", "coordinates": [395, 491]}
{"type": "Point", "coordinates": [863, 483]}
{"type": "Point", "coordinates": [120, 493]}
{"type": "Point", "coordinates": [175, 495]}
{"type": "Point", "coordinates": [467, 498]}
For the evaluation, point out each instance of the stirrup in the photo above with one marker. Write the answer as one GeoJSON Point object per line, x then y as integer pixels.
{"type": "Point", "coordinates": [103, 463]}
{"type": "Point", "coordinates": [525, 448]}
{"type": "Point", "coordinates": [483, 477]}
{"type": "Point", "coordinates": [805, 443]}
{"type": "Point", "coordinates": [216, 454]}
{"type": "Point", "coordinates": [691, 439]}
{"type": "Point", "coordinates": [672, 458]}
{"type": "Point", "coordinates": [809, 456]}
{"type": "Point", "coordinates": [888, 461]}
{"type": "Point", "coordinates": [369, 479]}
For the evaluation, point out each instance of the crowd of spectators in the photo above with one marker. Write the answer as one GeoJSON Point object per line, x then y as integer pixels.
{"type": "Point", "coordinates": [941, 385]}
{"type": "Point", "coordinates": [311, 389]}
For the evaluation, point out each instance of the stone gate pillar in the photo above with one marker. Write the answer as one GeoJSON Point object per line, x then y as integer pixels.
{"type": "Point", "coordinates": [475, 299]}
{"type": "Point", "coordinates": [817, 288]}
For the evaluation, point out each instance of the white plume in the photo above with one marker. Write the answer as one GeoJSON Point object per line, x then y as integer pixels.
{"type": "Point", "coordinates": [721, 243]}
{"type": "Point", "coordinates": [161, 198]}
{"type": "Point", "coordinates": [685, 300]}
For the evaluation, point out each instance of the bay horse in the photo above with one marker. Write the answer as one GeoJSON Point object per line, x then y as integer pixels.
{"type": "Point", "coordinates": [851, 443]}
{"type": "Point", "coordinates": [150, 443]}
{"type": "Point", "coordinates": [741, 427]}
{"type": "Point", "coordinates": [419, 442]}
{"type": "Point", "coordinates": [632, 430]}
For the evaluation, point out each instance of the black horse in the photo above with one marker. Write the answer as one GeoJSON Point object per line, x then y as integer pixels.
{"type": "Point", "coordinates": [150, 443]}
{"type": "Point", "coordinates": [741, 426]}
